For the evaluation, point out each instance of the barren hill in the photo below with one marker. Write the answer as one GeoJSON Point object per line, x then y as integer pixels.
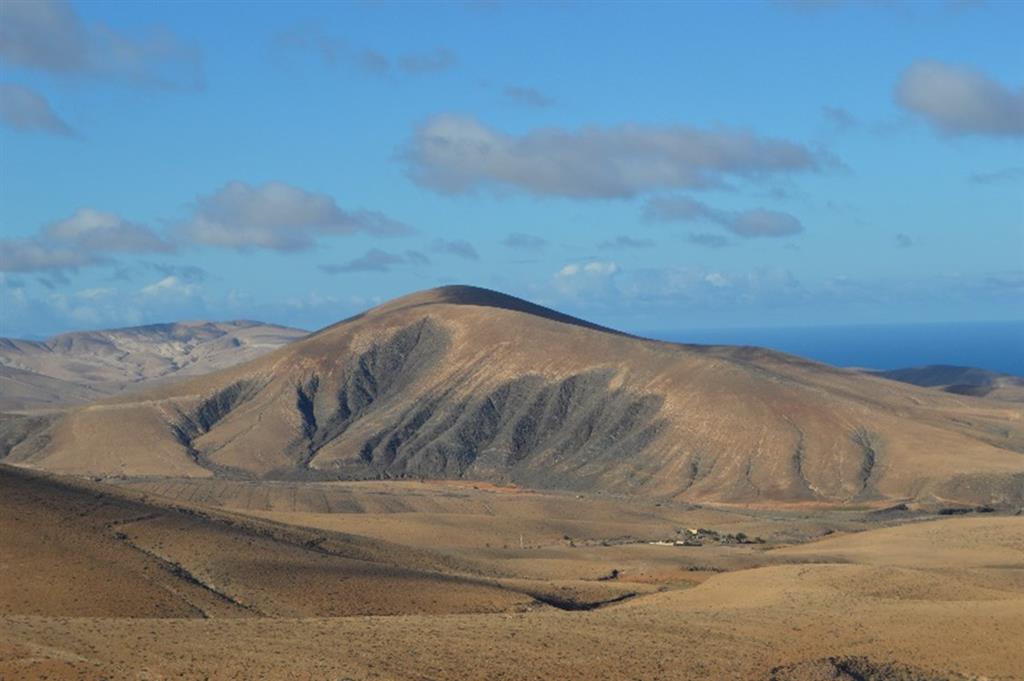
{"type": "Point", "coordinates": [962, 381]}
{"type": "Point", "coordinates": [460, 382]}
{"type": "Point", "coordinates": [74, 368]}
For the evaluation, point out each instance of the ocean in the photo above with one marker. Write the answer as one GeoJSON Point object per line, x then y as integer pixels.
{"type": "Point", "coordinates": [996, 346]}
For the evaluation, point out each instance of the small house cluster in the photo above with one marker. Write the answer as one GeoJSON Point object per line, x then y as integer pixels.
{"type": "Point", "coordinates": [699, 536]}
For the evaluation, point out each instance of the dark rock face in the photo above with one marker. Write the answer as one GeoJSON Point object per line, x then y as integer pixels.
{"type": "Point", "coordinates": [212, 410]}
{"type": "Point", "coordinates": [512, 432]}
{"type": "Point", "coordinates": [380, 373]}
{"type": "Point", "coordinates": [522, 431]}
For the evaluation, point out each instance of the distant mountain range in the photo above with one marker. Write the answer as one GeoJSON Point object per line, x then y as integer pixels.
{"type": "Point", "coordinates": [79, 367]}
{"type": "Point", "coordinates": [462, 382]}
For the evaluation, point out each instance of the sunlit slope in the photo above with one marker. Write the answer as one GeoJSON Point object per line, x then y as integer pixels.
{"type": "Point", "coordinates": [74, 549]}
{"type": "Point", "coordinates": [464, 382]}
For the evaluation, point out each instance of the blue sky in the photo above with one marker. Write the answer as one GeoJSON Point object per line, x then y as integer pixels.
{"type": "Point", "coordinates": [658, 166]}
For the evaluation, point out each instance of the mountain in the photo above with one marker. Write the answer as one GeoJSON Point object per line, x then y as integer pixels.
{"type": "Point", "coordinates": [961, 381]}
{"type": "Point", "coordinates": [75, 368]}
{"type": "Point", "coordinates": [462, 382]}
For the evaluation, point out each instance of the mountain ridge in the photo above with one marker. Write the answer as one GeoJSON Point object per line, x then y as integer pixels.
{"type": "Point", "coordinates": [80, 366]}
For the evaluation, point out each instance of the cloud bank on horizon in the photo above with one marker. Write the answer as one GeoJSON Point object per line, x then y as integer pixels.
{"type": "Point", "coordinates": [320, 158]}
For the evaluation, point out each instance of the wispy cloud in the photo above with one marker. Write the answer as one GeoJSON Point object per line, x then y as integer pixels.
{"type": "Point", "coordinates": [757, 222]}
{"type": "Point", "coordinates": [708, 240]}
{"type": "Point", "coordinates": [188, 273]}
{"type": "Point", "coordinates": [170, 286]}
{"type": "Point", "coordinates": [457, 247]}
{"type": "Point", "coordinates": [625, 242]}
{"type": "Point", "coordinates": [524, 242]}
{"type": "Point", "coordinates": [24, 110]}
{"type": "Point", "coordinates": [1000, 176]}
{"type": "Point", "coordinates": [838, 117]}
{"type": "Point", "coordinates": [376, 260]}
{"type": "Point", "coordinates": [333, 50]}
{"type": "Point", "coordinates": [438, 59]}
{"type": "Point", "coordinates": [528, 96]}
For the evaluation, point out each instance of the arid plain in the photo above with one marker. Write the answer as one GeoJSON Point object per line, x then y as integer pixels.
{"type": "Point", "coordinates": [420, 493]}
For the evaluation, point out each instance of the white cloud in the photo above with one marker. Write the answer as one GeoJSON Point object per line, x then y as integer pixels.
{"type": "Point", "coordinates": [376, 260]}
{"type": "Point", "coordinates": [599, 268]}
{"type": "Point", "coordinates": [48, 35]}
{"type": "Point", "coordinates": [717, 280]}
{"type": "Point", "coordinates": [528, 96]}
{"type": "Point", "coordinates": [34, 315]}
{"type": "Point", "coordinates": [524, 242]}
{"type": "Point", "coordinates": [277, 216]}
{"type": "Point", "coordinates": [457, 247]}
{"type": "Point", "coordinates": [95, 293]}
{"type": "Point", "coordinates": [95, 230]}
{"type": "Point", "coordinates": [458, 154]}
{"type": "Point", "coordinates": [45, 35]}
{"type": "Point", "coordinates": [960, 101]}
{"type": "Point", "coordinates": [592, 280]}
{"type": "Point", "coordinates": [88, 237]}
{"type": "Point", "coordinates": [26, 255]}
{"type": "Point", "coordinates": [170, 286]}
